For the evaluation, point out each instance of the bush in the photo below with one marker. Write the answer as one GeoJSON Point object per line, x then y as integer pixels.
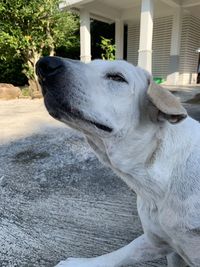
{"type": "Point", "coordinates": [25, 91]}
{"type": "Point", "coordinates": [99, 29]}
{"type": "Point", "coordinates": [11, 72]}
{"type": "Point", "coordinates": [72, 52]}
{"type": "Point", "coordinates": [108, 49]}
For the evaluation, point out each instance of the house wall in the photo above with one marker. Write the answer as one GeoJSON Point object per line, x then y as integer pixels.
{"type": "Point", "coordinates": [133, 38]}
{"type": "Point", "coordinates": [190, 41]}
{"type": "Point", "coordinates": [161, 45]}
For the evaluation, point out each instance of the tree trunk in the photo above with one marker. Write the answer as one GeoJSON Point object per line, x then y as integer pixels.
{"type": "Point", "coordinates": [51, 52]}
{"type": "Point", "coordinates": [34, 86]}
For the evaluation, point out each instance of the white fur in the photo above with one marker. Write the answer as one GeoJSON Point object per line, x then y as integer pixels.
{"type": "Point", "coordinates": [159, 161]}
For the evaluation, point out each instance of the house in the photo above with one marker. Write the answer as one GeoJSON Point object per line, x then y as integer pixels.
{"type": "Point", "coordinates": [163, 35]}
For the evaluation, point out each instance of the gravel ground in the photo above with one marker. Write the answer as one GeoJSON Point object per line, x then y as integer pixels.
{"type": "Point", "coordinates": [56, 199]}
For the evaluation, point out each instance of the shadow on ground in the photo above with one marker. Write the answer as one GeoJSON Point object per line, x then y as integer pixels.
{"type": "Point", "coordinates": [58, 201]}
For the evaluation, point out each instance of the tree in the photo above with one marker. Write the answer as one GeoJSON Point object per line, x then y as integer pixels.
{"type": "Point", "coordinates": [32, 28]}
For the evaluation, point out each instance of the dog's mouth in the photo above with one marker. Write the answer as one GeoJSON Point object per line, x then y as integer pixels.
{"type": "Point", "coordinates": [75, 114]}
{"type": "Point", "coordinates": [57, 111]}
{"type": "Point", "coordinates": [99, 126]}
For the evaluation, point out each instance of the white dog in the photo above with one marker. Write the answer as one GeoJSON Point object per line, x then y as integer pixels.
{"type": "Point", "coordinates": [139, 130]}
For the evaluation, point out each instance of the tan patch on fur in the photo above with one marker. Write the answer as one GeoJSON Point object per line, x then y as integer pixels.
{"type": "Point", "coordinates": [166, 102]}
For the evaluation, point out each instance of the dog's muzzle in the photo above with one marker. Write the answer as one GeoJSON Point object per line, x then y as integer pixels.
{"type": "Point", "coordinates": [51, 72]}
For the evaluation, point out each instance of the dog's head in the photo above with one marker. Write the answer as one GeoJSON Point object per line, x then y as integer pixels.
{"type": "Point", "coordinates": [103, 97]}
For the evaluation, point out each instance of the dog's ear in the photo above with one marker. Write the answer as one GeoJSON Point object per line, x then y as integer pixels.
{"type": "Point", "coordinates": [164, 105]}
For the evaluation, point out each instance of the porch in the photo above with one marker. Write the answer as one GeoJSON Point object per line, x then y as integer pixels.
{"type": "Point", "coordinates": [163, 35]}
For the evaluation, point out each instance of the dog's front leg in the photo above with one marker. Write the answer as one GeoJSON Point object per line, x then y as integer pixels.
{"type": "Point", "coordinates": [174, 260]}
{"type": "Point", "coordinates": [139, 250]}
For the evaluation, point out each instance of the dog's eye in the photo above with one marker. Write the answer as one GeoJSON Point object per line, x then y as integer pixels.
{"type": "Point", "coordinates": [118, 77]}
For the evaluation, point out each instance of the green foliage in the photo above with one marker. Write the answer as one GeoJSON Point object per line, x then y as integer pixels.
{"type": "Point", "coordinates": [25, 91]}
{"type": "Point", "coordinates": [29, 29]}
{"type": "Point", "coordinates": [108, 48]}
{"type": "Point", "coordinates": [11, 72]}
{"type": "Point", "coordinates": [98, 29]}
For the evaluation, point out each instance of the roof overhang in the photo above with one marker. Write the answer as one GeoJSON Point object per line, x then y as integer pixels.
{"type": "Point", "coordinates": [98, 11]}
{"type": "Point", "coordinates": [129, 10]}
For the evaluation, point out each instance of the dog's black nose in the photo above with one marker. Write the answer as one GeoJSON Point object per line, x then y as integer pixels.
{"type": "Point", "coordinates": [48, 66]}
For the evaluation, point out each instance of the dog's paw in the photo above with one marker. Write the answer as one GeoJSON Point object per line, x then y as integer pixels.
{"type": "Point", "coordinates": [75, 262]}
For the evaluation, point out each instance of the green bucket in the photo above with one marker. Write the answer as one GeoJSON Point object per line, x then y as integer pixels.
{"type": "Point", "coordinates": [158, 80]}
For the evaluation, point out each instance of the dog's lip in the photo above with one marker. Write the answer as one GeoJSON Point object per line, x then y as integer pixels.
{"type": "Point", "coordinates": [74, 113]}
{"type": "Point", "coordinates": [71, 112]}
{"type": "Point", "coordinates": [102, 126]}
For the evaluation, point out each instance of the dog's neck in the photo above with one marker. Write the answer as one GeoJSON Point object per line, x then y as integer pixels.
{"type": "Point", "coordinates": [146, 158]}
{"type": "Point", "coordinates": [129, 156]}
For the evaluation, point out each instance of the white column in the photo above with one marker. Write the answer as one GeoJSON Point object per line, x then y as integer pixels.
{"type": "Point", "coordinates": [85, 37]}
{"type": "Point", "coordinates": [173, 70]}
{"type": "Point", "coordinates": [119, 39]}
{"type": "Point", "coordinates": [146, 35]}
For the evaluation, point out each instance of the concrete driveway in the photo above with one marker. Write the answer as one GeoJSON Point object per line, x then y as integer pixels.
{"type": "Point", "coordinates": [56, 199]}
